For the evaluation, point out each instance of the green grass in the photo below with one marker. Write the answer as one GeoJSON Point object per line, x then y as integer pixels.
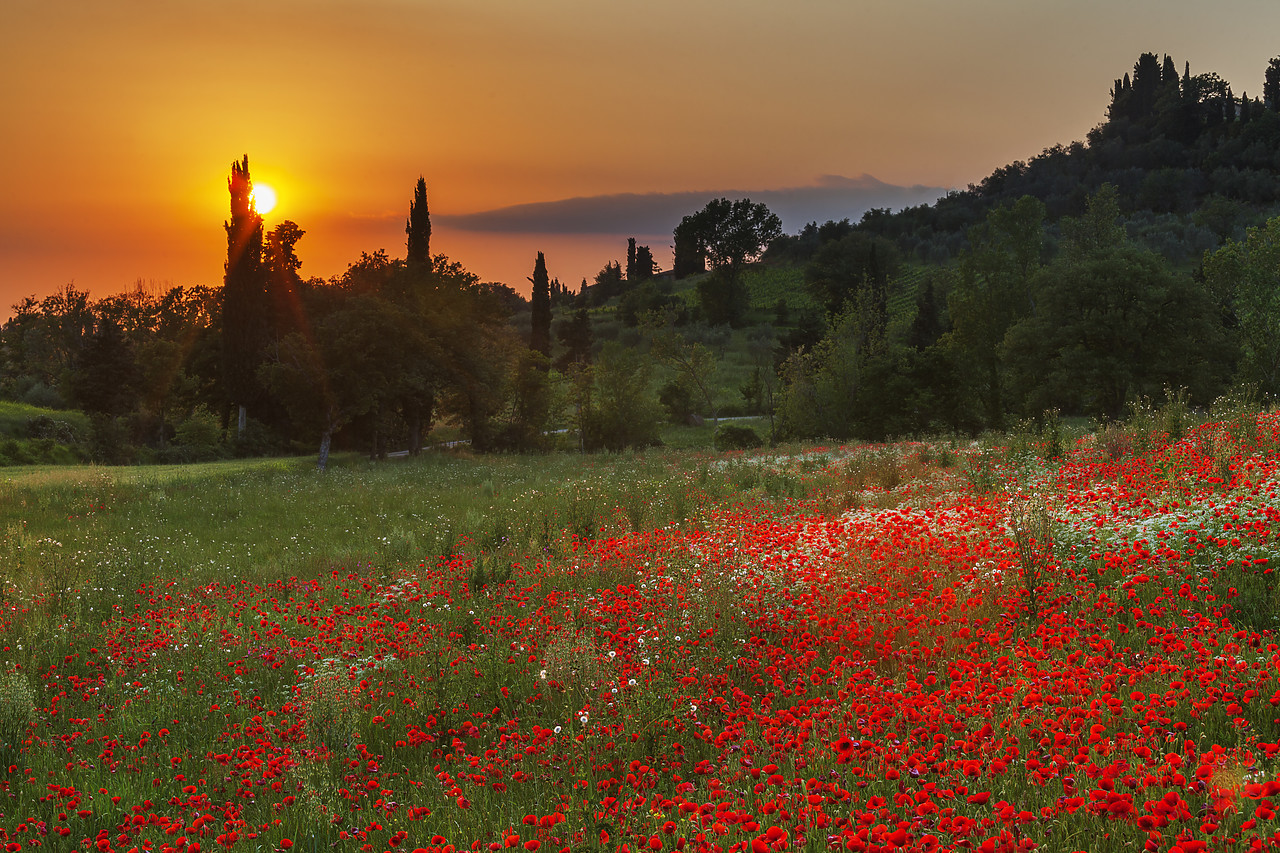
{"type": "Point", "coordinates": [679, 437]}
{"type": "Point", "coordinates": [15, 417]}
{"type": "Point", "coordinates": [278, 518]}
{"type": "Point", "coordinates": [239, 623]}
{"type": "Point", "coordinates": [32, 435]}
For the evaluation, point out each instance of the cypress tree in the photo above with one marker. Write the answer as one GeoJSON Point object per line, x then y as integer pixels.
{"type": "Point", "coordinates": [644, 263]}
{"type": "Point", "coordinates": [1271, 85]}
{"type": "Point", "coordinates": [244, 295]}
{"type": "Point", "coordinates": [540, 335]}
{"type": "Point", "coordinates": [418, 227]}
{"type": "Point", "coordinates": [1146, 85]}
{"type": "Point", "coordinates": [631, 259]}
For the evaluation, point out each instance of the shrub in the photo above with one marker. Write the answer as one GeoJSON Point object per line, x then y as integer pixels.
{"type": "Point", "coordinates": [677, 399]}
{"type": "Point", "coordinates": [45, 427]}
{"type": "Point", "coordinates": [730, 437]}
{"type": "Point", "coordinates": [43, 396]}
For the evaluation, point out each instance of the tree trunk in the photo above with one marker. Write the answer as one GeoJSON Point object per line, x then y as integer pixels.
{"type": "Point", "coordinates": [241, 421]}
{"type": "Point", "coordinates": [325, 440]}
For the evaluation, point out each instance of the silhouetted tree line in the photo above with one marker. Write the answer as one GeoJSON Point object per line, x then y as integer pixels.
{"type": "Point", "coordinates": [1017, 327]}
{"type": "Point", "coordinates": [273, 362]}
{"type": "Point", "coordinates": [1134, 265]}
{"type": "Point", "coordinates": [1192, 164]}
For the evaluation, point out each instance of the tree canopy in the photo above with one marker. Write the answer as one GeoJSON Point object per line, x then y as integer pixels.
{"type": "Point", "coordinates": [724, 233]}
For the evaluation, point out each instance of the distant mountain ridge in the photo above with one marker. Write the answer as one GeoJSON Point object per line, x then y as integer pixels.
{"type": "Point", "coordinates": [830, 197]}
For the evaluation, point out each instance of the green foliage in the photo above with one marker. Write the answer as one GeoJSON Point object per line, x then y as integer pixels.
{"type": "Point", "coordinates": [17, 714]}
{"type": "Point", "coordinates": [34, 436]}
{"type": "Point", "coordinates": [576, 339]}
{"type": "Point", "coordinates": [105, 377]}
{"type": "Point", "coordinates": [1051, 431]}
{"type": "Point", "coordinates": [1149, 427]}
{"type": "Point", "coordinates": [723, 298]}
{"type": "Point", "coordinates": [1033, 535]}
{"type": "Point", "coordinates": [200, 431]}
{"type": "Point", "coordinates": [728, 234]}
{"type": "Point", "coordinates": [650, 296]}
{"type": "Point", "coordinates": [991, 292]}
{"type": "Point", "coordinates": [534, 403]}
{"type": "Point", "coordinates": [732, 437]}
{"type": "Point", "coordinates": [1245, 278]}
{"type": "Point", "coordinates": [842, 268]}
{"type": "Point", "coordinates": [694, 363]}
{"type": "Point", "coordinates": [981, 470]}
{"type": "Point", "coordinates": [617, 408]}
{"type": "Point", "coordinates": [25, 420]}
{"type": "Point", "coordinates": [677, 398]}
{"type": "Point", "coordinates": [109, 441]}
{"type": "Point", "coordinates": [609, 282]}
{"type": "Point", "coordinates": [854, 383]}
{"type": "Point", "coordinates": [1111, 326]}
{"type": "Point", "coordinates": [873, 468]}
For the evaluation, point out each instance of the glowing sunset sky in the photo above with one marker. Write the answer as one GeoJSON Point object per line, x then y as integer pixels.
{"type": "Point", "coordinates": [121, 119]}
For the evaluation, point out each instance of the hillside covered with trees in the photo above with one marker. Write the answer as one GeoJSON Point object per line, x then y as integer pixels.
{"type": "Point", "coordinates": [1140, 263]}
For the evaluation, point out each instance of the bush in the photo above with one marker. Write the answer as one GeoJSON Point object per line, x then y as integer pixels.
{"type": "Point", "coordinates": [199, 435]}
{"type": "Point", "coordinates": [732, 437]}
{"type": "Point", "coordinates": [258, 440]}
{"type": "Point", "coordinates": [43, 426]}
{"type": "Point", "coordinates": [43, 396]}
{"type": "Point", "coordinates": [677, 399]}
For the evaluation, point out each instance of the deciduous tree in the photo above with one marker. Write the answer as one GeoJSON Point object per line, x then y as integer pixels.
{"type": "Point", "coordinates": [1112, 322]}
{"type": "Point", "coordinates": [993, 290]}
{"type": "Point", "coordinates": [1245, 276]}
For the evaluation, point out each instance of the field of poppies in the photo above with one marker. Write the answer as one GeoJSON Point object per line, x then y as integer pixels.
{"type": "Point", "coordinates": [943, 646]}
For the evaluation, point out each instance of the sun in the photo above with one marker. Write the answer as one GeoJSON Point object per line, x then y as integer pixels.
{"type": "Point", "coordinates": [264, 198]}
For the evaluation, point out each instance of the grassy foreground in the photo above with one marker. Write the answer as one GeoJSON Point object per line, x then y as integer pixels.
{"type": "Point", "coordinates": [893, 648]}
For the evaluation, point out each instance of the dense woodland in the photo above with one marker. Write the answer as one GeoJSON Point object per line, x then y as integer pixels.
{"type": "Point", "coordinates": [1141, 263]}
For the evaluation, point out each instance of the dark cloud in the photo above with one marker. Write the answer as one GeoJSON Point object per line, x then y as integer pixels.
{"type": "Point", "coordinates": [831, 197]}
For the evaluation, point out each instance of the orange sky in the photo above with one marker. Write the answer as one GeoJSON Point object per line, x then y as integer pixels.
{"type": "Point", "coordinates": [121, 119]}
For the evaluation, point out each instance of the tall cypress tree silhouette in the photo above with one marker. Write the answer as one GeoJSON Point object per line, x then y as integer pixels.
{"type": "Point", "coordinates": [244, 295]}
{"type": "Point", "coordinates": [540, 336]}
{"type": "Point", "coordinates": [418, 227]}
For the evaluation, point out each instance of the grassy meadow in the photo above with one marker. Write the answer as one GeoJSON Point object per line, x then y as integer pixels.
{"type": "Point", "coordinates": [1040, 641]}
